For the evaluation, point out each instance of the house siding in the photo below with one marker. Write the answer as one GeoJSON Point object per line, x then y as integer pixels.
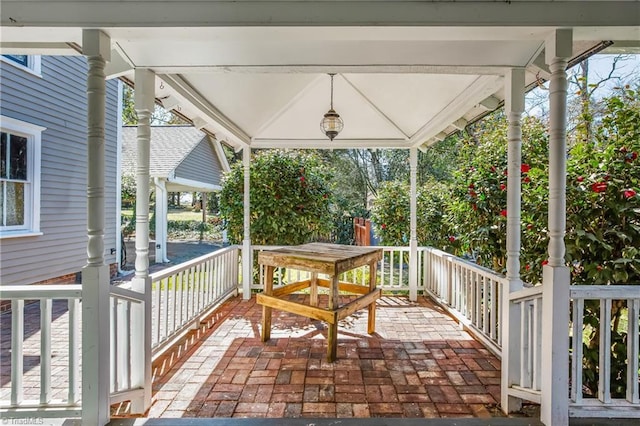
{"type": "Point", "coordinates": [58, 101]}
{"type": "Point", "coordinates": [201, 164]}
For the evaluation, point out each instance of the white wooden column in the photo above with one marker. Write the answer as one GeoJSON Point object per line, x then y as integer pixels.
{"type": "Point", "coordinates": [554, 407]}
{"type": "Point", "coordinates": [95, 275]}
{"type": "Point", "coordinates": [514, 107]}
{"type": "Point", "coordinates": [144, 97]}
{"type": "Point", "coordinates": [162, 208]}
{"type": "Point", "coordinates": [413, 237]}
{"type": "Point", "coordinates": [247, 261]}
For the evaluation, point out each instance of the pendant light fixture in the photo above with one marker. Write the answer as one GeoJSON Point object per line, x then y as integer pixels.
{"type": "Point", "coordinates": [331, 123]}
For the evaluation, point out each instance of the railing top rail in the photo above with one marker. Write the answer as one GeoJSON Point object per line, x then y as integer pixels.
{"type": "Point", "coordinates": [127, 294]}
{"type": "Point", "coordinates": [265, 247]}
{"type": "Point", "coordinates": [193, 262]}
{"type": "Point", "coordinates": [526, 293]}
{"type": "Point", "coordinates": [605, 291]}
{"type": "Point", "coordinates": [42, 291]}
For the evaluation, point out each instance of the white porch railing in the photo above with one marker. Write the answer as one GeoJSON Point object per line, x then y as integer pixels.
{"type": "Point", "coordinates": [66, 401]}
{"type": "Point", "coordinates": [184, 294]}
{"type": "Point", "coordinates": [527, 378]}
{"type": "Point", "coordinates": [605, 405]}
{"type": "Point", "coordinates": [392, 271]}
{"type": "Point", "coordinates": [124, 359]}
{"type": "Point", "coordinates": [471, 293]}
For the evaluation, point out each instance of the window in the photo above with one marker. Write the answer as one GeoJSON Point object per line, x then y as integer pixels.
{"type": "Point", "coordinates": [29, 63]}
{"type": "Point", "coordinates": [19, 177]}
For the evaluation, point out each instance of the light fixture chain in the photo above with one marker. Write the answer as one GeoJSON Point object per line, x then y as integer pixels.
{"type": "Point", "coordinates": [332, 90]}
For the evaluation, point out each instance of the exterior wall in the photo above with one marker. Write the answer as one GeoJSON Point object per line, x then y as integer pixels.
{"type": "Point", "coordinates": [202, 164]}
{"type": "Point", "coordinates": [57, 100]}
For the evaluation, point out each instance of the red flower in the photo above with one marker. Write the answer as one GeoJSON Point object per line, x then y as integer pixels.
{"type": "Point", "coordinates": [452, 238]}
{"type": "Point", "coordinates": [606, 177]}
{"type": "Point", "coordinates": [599, 267]}
{"type": "Point", "coordinates": [599, 187]}
{"type": "Point", "coordinates": [526, 179]}
{"type": "Point", "coordinates": [580, 178]}
{"type": "Point", "coordinates": [524, 168]}
{"type": "Point", "coordinates": [471, 186]}
{"type": "Point", "coordinates": [493, 168]}
{"type": "Point", "coordinates": [503, 187]}
{"type": "Point", "coordinates": [473, 193]}
{"type": "Point", "coordinates": [630, 156]}
{"type": "Point", "coordinates": [474, 206]}
{"type": "Point", "coordinates": [301, 178]}
{"type": "Point", "coordinates": [503, 213]}
{"type": "Point", "coordinates": [545, 262]}
{"type": "Point", "coordinates": [623, 149]}
{"type": "Point", "coordinates": [383, 226]}
{"type": "Point", "coordinates": [527, 267]}
{"type": "Point", "coordinates": [629, 193]}
{"type": "Point", "coordinates": [530, 226]}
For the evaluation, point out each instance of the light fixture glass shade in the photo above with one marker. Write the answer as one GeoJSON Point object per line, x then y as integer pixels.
{"type": "Point", "coordinates": [331, 124]}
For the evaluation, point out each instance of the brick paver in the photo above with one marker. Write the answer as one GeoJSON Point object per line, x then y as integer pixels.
{"type": "Point", "coordinates": [419, 363]}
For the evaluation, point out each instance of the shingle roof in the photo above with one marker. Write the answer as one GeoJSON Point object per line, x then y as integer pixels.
{"type": "Point", "coordinates": [169, 146]}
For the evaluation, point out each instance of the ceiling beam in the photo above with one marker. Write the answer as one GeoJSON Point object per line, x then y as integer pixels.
{"type": "Point", "coordinates": [327, 144]}
{"type": "Point", "coordinates": [37, 48]}
{"type": "Point", "coordinates": [326, 69]}
{"type": "Point", "coordinates": [194, 13]}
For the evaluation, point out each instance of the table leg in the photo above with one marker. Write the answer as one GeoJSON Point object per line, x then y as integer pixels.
{"type": "Point", "coordinates": [314, 289]}
{"type": "Point", "coordinates": [373, 272]}
{"type": "Point", "coordinates": [332, 335]}
{"type": "Point", "coordinates": [266, 311]}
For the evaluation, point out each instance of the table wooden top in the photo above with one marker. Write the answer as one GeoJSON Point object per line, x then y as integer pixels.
{"type": "Point", "coordinates": [331, 259]}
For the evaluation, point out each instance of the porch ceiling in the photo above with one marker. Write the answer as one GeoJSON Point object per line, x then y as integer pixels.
{"type": "Point", "coordinates": [264, 82]}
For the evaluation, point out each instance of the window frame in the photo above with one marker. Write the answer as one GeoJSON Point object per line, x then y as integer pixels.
{"type": "Point", "coordinates": [33, 134]}
{"type": "Point", "coordinates": [34, 63]}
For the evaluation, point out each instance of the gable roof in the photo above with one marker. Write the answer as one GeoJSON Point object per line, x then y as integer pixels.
{"type": "Point", "coordinates": [174, 153]}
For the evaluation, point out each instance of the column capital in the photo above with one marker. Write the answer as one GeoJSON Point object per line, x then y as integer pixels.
{"type": "Point", "coordinates": [144, 95]}
{"type": "Point", "coordinates": [96, 43]}
{"type": "Point", "coordinates": [558, 45]}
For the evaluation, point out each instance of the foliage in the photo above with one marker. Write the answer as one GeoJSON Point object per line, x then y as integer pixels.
{"type": "Point", "coordinates": [290, 199]}
{"type": "Point", "coordinates": [477, 210]}
{"type": "Point", "coordinates": [128, 189]}
{"type": "Point", "coordinates": [391, 214]}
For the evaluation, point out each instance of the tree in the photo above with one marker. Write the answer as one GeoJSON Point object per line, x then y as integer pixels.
{"type": "Point", "coordinates": [159, 115]}
{"type": "Point", "coordinates": [290, 199]}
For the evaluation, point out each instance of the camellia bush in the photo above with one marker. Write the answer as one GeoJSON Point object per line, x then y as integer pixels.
{"type": "Point", "coordinates": [290, 199]}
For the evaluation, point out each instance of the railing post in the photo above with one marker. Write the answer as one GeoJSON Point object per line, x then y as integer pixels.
{"type": "Point", "coordinates": [96, 45]}
{"type": "Point", "coordinates": [511, 315]}
{"type": "Point", "coordinates": [554, 407]}
{"type": "Point", "coordinates": [141, 314]}
{"type": "Point", "coordinates": [247, 262]}
{"type": "Point", "coordinates": [413, 238]}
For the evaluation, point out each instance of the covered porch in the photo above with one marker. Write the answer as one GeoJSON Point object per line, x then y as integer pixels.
{"type": "Point", "coordinates": [410, 73]}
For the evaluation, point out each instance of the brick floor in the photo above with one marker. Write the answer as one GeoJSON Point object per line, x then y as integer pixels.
{"type": "Point", "coordinates": [419, 363]}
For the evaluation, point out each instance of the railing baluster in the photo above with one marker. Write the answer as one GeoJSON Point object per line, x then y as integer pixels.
{"type": "Point", "coordinates": [633, 348]}
{"type": "Point", "coordinates": [524, 347]}
{"type": "Point", "coordinates": [576, 358]}
{"type": "Point", "coordinates": [74, 353]}
{"type": "Point", "coordinates": [604, 382]}
{"type": "Point", "coordinates": [537, 343]}
{"type": "Point", "coordinates": [17, 361]}
{"type": "Point", "coordinates": [45, 350]}
{"type": "Point", "coordinates": [167, 291]}
{"type": "Point", "coordinates": [115, 343]}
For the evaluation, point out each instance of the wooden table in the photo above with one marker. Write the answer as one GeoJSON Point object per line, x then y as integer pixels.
{"type": "Point", "coordinates": [320, 258]}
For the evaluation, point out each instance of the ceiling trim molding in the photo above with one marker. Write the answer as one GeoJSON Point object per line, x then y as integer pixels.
{"type": "Point", "coordinates": [480, 89]}
{"type": "Point", "coordinates": [184, 89]}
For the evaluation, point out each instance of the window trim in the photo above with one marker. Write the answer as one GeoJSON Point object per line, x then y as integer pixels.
{"type": "Point", "coordinates": [34, 64]}
{"type": "Point", "coordinates": [33, 133]}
